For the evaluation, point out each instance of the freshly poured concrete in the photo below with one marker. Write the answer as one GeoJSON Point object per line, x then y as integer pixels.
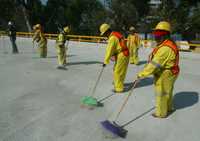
{"type": "Point", "coordinates": [40, 103]}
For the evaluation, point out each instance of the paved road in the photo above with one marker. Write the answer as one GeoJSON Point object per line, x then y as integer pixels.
{"type": "Point", "coordinates": [40, 103]}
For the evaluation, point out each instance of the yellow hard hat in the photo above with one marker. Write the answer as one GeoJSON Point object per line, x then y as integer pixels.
{"type": "Point", "coordinates": [163, 25]}
{"type": "Point", "coordinates": [103, 28]}
{"type": "Point", "coordinates": [66, 29]}
{"type": "Point", "coordinates": [132, 28]}
{"type": "Point", "coordinates": [37, 26]}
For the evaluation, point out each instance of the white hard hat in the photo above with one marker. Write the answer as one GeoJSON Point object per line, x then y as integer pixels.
{"type": "Point", "coordinates": [9, 23]}
{"type": "Point", "coordinates": [132, 28]}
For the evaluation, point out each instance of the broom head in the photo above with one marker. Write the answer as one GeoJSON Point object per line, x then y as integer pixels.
{"type": "Point", "coordinates": [90, 102]}
{"type": "Point", "coordinates": [114, 129]}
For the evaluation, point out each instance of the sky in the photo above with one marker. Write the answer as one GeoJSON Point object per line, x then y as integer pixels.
{"type": "Point", "coordinates": [44, 1]}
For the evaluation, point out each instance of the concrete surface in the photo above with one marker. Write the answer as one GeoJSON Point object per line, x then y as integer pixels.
{"type": "Point", "coordinates": [40, 103]}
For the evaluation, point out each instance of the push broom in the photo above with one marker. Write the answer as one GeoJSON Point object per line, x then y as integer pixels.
{"type": "Point", "coordinates": [90, 101]}
{"type": "Point", "coordinates": [113, 127]}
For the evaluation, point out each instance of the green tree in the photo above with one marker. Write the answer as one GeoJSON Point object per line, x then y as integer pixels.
{"type": "Point", "coordinates": [84, 16]}
{"type": "Point", "coordinates": [123, 14]}
{"type": "Point", "coordinates": [26, 13]}
{"type": "Point", "coordinates": [195, 19]}
{"type": "Point", "coordinates": [181, 14]}
{"type": "Point", "coordinates": [193, 24]}
{"type": "Point", "coordinates": [126, 13]}
{"type": "Point", "coordinates": [91, 16]}
{"type": "Point", "coordinates": [6, 12]}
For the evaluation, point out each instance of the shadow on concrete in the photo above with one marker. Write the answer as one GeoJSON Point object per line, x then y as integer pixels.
{"type": "Point", "coordinates": [52, 57]}
{"type": "Point", "coordinates": [138, 117]}
{"type": "Point", "coordinates": [56, 56]}
{"type": "Point", "coordinates": [127, 87]}
{"type": "Point", "coordinates": [144, 82]}
{"type": "Point", "coordinates": [142, 62]}
{"type": "Point", "coordinates": [83, 63]}
{"type": "Point", "coordinates": [185, 99]}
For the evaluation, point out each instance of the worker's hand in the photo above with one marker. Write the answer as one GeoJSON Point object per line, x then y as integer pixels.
{"type": "Point", "coordinates": [104, 65]}
{"type": "Point", "coordinates": [138, 76]}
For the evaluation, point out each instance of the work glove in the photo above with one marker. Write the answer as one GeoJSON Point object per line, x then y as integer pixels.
{"type": "Point", "coordinates": [104, 65]}
{"type": "Point", "coordinates": [139, 76]}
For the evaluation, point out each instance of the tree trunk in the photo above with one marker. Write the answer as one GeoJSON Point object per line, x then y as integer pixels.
{"type": "Point", "coordinates": [26, 18]}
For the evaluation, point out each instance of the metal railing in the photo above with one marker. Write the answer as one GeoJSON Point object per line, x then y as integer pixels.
{"type": "Point", "coordinates": [93, 39]}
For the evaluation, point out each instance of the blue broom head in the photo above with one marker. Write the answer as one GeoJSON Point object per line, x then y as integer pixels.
{"type": "Point", "coordinates": [114, 128]}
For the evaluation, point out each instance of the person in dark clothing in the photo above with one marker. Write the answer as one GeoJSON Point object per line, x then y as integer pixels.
{"type": "Point", "coordinates": [12, 35]}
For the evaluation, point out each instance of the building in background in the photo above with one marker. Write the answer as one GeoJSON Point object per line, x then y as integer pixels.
{"type": "Point", "coordinates": [155, 3]}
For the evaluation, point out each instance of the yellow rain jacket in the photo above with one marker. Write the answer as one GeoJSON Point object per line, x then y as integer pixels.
{"type": "Point", "coordinates": [42, 43]}
{"type": "Point", "coordinates": [163, 64]}
{"type": "Point", "coordinates": [61, 50]}
{"type": "Point", "coordinates": [133, 44]}
{"type": "Point", "coordinates": [116, 48]}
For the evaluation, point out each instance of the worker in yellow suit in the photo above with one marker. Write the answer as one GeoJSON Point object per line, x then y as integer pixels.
{"type": "Point", "coordinates": [133, 44]}
{"type": "Point", "coordinates": [61, 49]}
{"type": "Point", "coordinates": [40, 38]}
{"type": "Point", "coordinates": [116, 48]}
{"type": "Point", "coordinates": [164, 65]}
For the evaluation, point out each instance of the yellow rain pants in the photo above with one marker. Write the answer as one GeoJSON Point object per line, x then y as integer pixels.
{"type": "Point", "coordinates": [164, 79]}
{"type": "Point", "coordinates": [61, 51]}
{"type": "Point", "coordinates": [133, 44]}
{"type": "Point", "coordinates": [42, 43]}
{"type": "Point", "coordinates": [121, 62]}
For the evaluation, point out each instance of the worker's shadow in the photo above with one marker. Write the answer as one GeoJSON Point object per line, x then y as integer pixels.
{"type": "Point", "coordinates": [51, 57]}
{"type": "Point", "coordinates": [185, 99]}
{"type": "Point", "coordinates": [83, 63]}
{"type": "Point", "coordinates": [143, 83]}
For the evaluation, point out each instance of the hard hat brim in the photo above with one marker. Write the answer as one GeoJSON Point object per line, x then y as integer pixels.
{"type": "Point", "coordinates": [102, 33]}
{"type": "Point", "coordinates": [106, 28]}
{"type": "Point", "coordinates": [154, 29]}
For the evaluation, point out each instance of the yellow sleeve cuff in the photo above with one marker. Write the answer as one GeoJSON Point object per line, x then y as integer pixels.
{"type": "Point", "coordinates": [106, 62]}
{"type": "Point", "coordinates": [149, 69]}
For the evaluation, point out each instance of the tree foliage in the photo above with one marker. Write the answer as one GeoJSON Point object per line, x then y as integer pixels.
{"type": "Point", "coordinates": [126, 13]}
{"type": "Point", "coordinates": [5, 12]}
{"type": "Point", "coordinates": [85, 16]}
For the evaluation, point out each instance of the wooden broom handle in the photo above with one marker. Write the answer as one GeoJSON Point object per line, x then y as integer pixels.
{"type": "Point", "coordinates": [126, 100]}
{"type": "Point", "coordinates": [98, 79]}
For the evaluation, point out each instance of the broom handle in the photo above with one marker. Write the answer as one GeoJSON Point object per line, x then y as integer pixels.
{"type": "Point", "coordinates": [3, 44]}
{"type": "Point", "coordinates": [33, 45]}
{"type": "Point", "coordinates": [105, 98]}
{"type": "Point", "coordinates": [138, 117]}
{"type": "Point", "coordinates": [66, 47]}
{"type": "Point", "coordinates": [126, 100]}
{"type": "Point", "coordinates": [97, 82]}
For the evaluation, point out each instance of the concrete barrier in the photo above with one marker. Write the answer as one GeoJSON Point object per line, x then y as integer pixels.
{"type": "Point", "coordinates": [183, 45]}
